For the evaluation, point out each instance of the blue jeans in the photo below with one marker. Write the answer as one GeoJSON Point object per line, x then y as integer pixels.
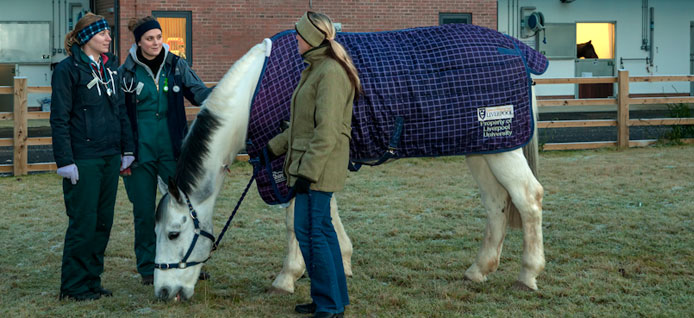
{"type": "Point", "coordinates": [321, 250]}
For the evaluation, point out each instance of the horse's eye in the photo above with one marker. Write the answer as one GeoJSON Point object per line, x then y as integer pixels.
{"type": "Point", "coordinates": [173, 235]}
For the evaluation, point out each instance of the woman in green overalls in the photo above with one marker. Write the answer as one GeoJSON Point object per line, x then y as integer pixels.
{"type": "Point", "coordinates": [155, 82]}
{"type": "Point", "coordinates": [92, 141]}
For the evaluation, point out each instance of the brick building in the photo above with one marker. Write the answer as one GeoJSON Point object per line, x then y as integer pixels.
{"type": "Point", "coordinates": [214, 33]}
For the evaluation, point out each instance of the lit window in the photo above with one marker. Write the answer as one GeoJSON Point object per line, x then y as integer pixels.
{"type": "Point", "coordinates": [176, 32]}
{"type": "Point", "coordinates": [600, 35]}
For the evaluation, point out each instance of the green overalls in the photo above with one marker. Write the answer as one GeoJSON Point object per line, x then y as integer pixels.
{"type": "Point", "coordinates": [155, 157]}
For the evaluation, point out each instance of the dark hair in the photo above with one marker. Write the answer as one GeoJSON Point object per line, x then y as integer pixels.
{"type": "Point", "coordinates": [134, 23]}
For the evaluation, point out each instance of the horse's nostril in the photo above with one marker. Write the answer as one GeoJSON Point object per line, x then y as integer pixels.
{"type": "Point", "coordinates": [164, 293]}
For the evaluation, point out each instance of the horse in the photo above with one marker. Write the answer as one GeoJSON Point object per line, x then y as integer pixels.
{"type": "Point", "coordinates": [510, 193]}
{"type": "Point", "coordinates": [586, 50]}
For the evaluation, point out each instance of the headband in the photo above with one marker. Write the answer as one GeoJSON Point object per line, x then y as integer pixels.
{"type": "Point", "coordinates": [88, 33]}
{"type": "Point", "coordinates": [309, 31]}
{"type": "Point", "coordinates": [144, 27]}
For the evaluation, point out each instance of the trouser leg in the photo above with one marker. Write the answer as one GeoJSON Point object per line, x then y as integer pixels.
{"type": "Point", "coordinates": [104, 213]}
{"type": "Point", "coordinates": [78, 272]}
{"type": "Point", "coordinates": [141, 187]}
{"type": "Point", "coordinates": [312, 225]}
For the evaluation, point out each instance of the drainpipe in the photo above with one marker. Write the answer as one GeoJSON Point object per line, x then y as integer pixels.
{"type": "Point", "coordinates": [644, 23]}
{"type": "Point", "coordinates": [650, 47]}
{"type": "Point", "coordinates": [116, 22]}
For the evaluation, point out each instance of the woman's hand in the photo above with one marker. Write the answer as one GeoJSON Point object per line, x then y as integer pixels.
{"type": "Point", "coordinates": [69, 172]}
{"type": "Point", "coordinates": [302, 185]}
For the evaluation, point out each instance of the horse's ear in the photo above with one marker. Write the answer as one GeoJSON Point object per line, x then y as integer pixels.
{"type": "Point", "coordinates": [163, 187]}
{"type": "Point", "coordinates": [173, 190]}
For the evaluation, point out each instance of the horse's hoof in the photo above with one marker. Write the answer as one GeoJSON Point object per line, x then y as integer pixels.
{"type": "Point", "coordinates": [518, 285]}
{"type": "Point", "coordinates": [277, 291]}
{"type": "Point", "coordinates": [474, 275]}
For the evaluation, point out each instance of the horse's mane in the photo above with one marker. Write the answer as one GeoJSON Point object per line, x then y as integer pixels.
{"type": "Point", "coordinates": [195, 149]}
{"type": "Point", "coordinates": [196, 146]}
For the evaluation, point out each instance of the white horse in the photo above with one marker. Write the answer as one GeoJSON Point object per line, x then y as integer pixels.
{"type": "Point", "coordinates": [511, 195]}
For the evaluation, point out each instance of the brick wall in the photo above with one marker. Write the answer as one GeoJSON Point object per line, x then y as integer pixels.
{"type": "Point", "coordinates": [224, 30]}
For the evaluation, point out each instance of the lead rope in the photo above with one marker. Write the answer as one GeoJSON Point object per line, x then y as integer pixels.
{"type": "Point", "coordinates": [231, 217]}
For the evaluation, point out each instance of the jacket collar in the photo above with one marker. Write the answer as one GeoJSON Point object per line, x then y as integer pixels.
{"type": "Point", "coordinates": [315, 54]}
{"type": "Point", "coordinates": [80, 57]}
{"type": "Point", "coordinates": [132, 60]}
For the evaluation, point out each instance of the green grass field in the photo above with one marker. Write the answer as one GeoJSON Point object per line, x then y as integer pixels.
{"type": "Point", "coordinates": [618, 233]}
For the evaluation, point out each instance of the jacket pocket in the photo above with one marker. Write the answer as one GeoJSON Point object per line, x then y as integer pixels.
{"type": "Point", "coordinates": [299, 147]}
{"type": "Point", "coordinates": [347, 131]}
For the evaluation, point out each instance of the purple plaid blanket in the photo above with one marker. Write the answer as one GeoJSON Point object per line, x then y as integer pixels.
{"type": "Point", "coordinates": [436, 91]}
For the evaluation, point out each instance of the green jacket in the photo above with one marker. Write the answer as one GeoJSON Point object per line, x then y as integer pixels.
{"type": "Point", "coordinates": [317, 140]}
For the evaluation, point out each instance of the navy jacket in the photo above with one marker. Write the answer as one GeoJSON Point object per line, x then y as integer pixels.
{"type": "Point", "coordinates": [86, 123]}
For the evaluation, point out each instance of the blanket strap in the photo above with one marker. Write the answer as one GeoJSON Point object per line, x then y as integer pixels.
{"type": "Point", "coordinates": [388, 154]}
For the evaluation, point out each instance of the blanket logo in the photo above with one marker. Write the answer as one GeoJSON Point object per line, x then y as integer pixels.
{"type": "Point", "coordinates": [496, 121]}
{"type": "Point", "coordinates": [494, 113]}
{"type": "Point", "coordinates": [279, 176]}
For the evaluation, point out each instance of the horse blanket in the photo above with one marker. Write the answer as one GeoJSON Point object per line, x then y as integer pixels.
{"type": "Point", "coordinates": [435, 91]}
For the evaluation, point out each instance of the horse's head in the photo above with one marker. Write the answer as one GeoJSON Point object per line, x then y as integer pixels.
{"type": "Point", "coordinates": [184, 242]}
{"type": "Point", "coordinates": [586, 50]}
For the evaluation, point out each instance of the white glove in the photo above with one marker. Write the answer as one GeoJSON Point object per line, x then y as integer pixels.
{"type": "Point", "coordinates": [69, 172]}
{"type": "Point", "coordinates": [126, 161]}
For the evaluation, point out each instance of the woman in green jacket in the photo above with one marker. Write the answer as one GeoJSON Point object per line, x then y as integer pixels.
{"type": "Point", "coordinates": [154, 81]}
{"type": "Point", "coordinates": [317, 154]}
{"type": "Point", "coordinates": [91, 143]}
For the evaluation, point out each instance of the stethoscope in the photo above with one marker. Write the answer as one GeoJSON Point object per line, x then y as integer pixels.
{"type": "Point", "coordinates": [98, 79]}
{"type": "Point", "coordinates": [132, 88]}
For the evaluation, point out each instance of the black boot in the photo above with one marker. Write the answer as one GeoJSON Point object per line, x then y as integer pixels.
{"type": "Point", "coordinates": [148, 280]}
{"type": "Point", "coordinates": [305, 308]}
{"type": "Point", "coordinates": [321, 314]}
{"type": "Point", "coordinates": [103, 291]}
{"type": "Point", "coordinates": [81, 297]}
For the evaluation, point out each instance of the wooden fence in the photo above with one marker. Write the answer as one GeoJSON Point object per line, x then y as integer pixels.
{"type": "Point", "coordinates": [21, 141]}
{"type": "Point", "coordinates": [621, 102]}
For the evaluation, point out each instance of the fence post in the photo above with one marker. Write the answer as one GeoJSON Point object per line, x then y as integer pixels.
{"type": "Point", "coordinates": [623, 110]}
{"type": "Point", "coordinates": [21, 132]}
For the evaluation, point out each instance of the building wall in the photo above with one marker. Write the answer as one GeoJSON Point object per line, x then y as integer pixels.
{"type": "Point", "coordinates": [672, 19]}
{"type": "Point", "coordinates": [224, 30]}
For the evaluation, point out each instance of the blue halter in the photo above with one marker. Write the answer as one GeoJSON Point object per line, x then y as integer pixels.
{"type": "Point", "coordinates": [184, 262]}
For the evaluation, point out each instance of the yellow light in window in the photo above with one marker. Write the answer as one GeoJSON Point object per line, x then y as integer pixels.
{"type": "Point", "coordinates": [601, 36]}
{"type": "Point", "coordinates": [174, 34]}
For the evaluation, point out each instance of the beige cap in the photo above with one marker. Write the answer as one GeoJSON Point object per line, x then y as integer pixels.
{"type": "Point", "coordinates": [308, 31]}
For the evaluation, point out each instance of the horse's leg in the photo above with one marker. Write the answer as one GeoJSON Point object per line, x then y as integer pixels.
{"type": "Point", "coordinates": [294, 265]}
{"type": "Point", "coordinates": [494, 199]}
{"type": "Point", "coordinates": [512, 171]}
{"type": "Point", "coordinates": [345, 242]}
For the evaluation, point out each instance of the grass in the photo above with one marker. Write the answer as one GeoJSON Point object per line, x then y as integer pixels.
{"type": "Point", "coordinates": [618, 236]}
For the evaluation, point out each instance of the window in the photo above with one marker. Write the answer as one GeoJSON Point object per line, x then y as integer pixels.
{"type": "Point", "coordinates": [177, 32]}
{"type": "Point", "coordinates": [446, 18]}
{"type": "Point", "coordinates": [601, 36]}
{"type": "Point", "coordinates": [558, 41]}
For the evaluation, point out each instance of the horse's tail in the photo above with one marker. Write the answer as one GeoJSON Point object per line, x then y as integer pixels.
{"type": "Point", "coordinates": [531, 152]}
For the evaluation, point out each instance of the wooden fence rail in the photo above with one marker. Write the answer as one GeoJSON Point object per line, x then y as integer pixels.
{"type": "Point", "coordinates": [20, 141]}
{"type": "Point", "coordinates": [622, 102]}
